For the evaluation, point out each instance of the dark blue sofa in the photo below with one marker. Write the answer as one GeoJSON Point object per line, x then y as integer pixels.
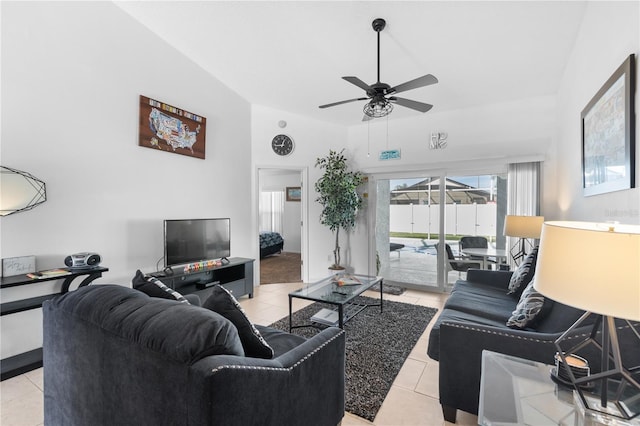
{"type": "Point", "coordinates": [115, 356]}
{"type": "Point", "coordinates": [474, 319]}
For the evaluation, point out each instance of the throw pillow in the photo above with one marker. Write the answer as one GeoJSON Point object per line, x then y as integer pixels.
{"type": "Point", "coordinates": [223, 302]}
{"type": "Point", "coordinates": [523, 275]}
{"type": "Point", "coordinates": [531, 308]}
{"type": "Point", "coordinates": [153, 287]}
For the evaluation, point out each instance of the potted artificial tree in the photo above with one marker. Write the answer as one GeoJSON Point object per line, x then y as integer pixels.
{"type": "Point", "coordinates": [337, 189]}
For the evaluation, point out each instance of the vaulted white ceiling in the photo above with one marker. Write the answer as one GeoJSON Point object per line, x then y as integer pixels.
{"type": "Point", "coordinates": [292, 55]}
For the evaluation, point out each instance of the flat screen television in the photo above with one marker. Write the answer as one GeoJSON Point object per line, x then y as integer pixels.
{"type": "Point", "coordinates": [196, 240]}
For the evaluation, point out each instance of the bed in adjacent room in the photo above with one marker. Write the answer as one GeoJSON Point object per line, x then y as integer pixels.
{"type": "Point", "coordinates": [270, 243]}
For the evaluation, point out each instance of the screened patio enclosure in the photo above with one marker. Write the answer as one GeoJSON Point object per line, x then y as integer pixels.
{"type": "Point", "coordinates": [413, 215]}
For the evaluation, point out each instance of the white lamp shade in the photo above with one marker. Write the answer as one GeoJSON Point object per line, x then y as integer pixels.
{"type": "Point", "coordinates": [523, 226]}
{"type": "Point", "coordinates": [591, 266]}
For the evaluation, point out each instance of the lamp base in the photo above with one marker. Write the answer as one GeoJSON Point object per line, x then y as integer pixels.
{"type": "Point", "coordinates": [608, 415]}
{"type": "Point", "coordinates": [616, 396]}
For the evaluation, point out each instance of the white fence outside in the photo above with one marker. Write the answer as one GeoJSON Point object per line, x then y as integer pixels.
{"type": "Point", "coordinates": [460, 219]}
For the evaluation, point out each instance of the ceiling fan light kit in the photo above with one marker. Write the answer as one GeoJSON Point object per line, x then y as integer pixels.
{"type": "Point", "coordinates": [377, 109]}
{"type": "Point", "coordinates": [380, 102]}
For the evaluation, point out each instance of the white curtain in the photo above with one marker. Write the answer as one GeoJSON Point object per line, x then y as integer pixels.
{"type": "Point", "coordinates": [271, 211]}
{"type": "Point", "coordinates": [523, 187]}
{"type": "Point", "coordinates": [523, 193]}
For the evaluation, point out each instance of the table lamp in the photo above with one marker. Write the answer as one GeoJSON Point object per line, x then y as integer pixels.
{"type": "Point", "coordinates": [596, 267]}
{"type": "Point", "coordinates": [522, 227]}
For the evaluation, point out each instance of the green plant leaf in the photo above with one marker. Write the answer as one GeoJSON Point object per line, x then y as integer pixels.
{"type": "Point", "coordinates": [337, 194]}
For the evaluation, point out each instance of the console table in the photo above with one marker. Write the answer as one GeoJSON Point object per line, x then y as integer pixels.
{"type": "Point", "coordinates": [31, 360]}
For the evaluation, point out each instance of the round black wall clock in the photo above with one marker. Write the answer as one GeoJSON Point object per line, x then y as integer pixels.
{"type": "Point", "coordinates": [282, 145]}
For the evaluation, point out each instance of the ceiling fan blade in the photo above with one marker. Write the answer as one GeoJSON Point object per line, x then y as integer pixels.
{"type": "Point", "coordinates": [355, 80]}
{"type": "Point", "coordinates": [418, 106]}
{"type": "Point", "coordinates": [342, 102]}
{"type": "Point", "coordinates": [365, 117]}
{"type": "Point", "coordinates": [425, 80]}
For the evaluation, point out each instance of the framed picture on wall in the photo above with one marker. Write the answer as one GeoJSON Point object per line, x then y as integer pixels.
{"type": "Point", "coordinates": [294, 193]}
{"type": "Point", "coordinates": [171, 129]}
{"type": "Point", "coordinates": [608, 134]}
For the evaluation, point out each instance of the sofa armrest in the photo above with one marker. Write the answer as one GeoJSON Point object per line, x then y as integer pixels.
{"type": "Point", "coordinates": [497, 279]}
{"type": "Point", "coordinates": [305, 383]}
{"type": "Point", "coordinates": [461, 347]}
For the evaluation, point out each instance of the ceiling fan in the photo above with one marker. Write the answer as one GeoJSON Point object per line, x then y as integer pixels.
{"type": "Point", "coordinates": [381, 96]}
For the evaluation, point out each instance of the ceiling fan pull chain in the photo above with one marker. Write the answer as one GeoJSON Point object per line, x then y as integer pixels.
{"type": "Point", "coordinates": [387, 132]}
{"type": "Point", "coordinates": [368, 138]}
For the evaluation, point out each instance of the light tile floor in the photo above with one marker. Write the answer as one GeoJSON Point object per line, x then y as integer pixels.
{"type": "Point", "coordinates": [412, 399]}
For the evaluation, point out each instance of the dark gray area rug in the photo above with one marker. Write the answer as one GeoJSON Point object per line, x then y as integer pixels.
{"type": "Point", "coordinates": [377, 344]}
{"type": "Point", "coordinates": [392, 289]}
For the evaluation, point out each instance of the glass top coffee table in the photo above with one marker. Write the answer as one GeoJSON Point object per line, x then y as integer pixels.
{"type": "Point", "coordinates": [340, 291]}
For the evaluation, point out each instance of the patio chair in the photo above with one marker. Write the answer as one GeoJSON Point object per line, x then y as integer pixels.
{"type": "Point", "coordinates": [474, 242]}
{"type": "Point", "coordinates": [395, 247]}
{"type": "Point", "coordinates": [458, 263]}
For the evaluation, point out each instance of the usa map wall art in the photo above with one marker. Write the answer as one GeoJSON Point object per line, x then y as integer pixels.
{"type": "Point", "coordinates": [168, 128]}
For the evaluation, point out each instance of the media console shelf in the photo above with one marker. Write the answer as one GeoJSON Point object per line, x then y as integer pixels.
{"type": "Point", "coordinates": [27, 361]}
{"type": "Point", "coordinates": [236, 275]}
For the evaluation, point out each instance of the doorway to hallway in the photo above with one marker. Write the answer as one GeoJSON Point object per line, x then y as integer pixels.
{"type": "Point", "coordinates": [280, 225]}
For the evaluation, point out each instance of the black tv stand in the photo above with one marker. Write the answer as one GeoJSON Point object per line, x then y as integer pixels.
{"type": "Point", "coordinates": [204, 284]}
{"type": "Point", "coordinates": [235, 274]}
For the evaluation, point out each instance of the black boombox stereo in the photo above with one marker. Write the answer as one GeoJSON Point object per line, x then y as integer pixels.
{"type": "Point", "coordinates": [82, 260]}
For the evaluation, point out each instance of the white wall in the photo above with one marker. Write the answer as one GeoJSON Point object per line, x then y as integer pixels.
{"type": "Point", "coordinates": [610, 32]}
{"type": "Point", "coordinates": [71, 77]}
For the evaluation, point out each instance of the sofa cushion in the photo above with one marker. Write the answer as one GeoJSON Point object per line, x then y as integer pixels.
{"type": "Point", "coordinates": [531, 308]}
{"type": "Point", "coordinates": [281, 341]}
{"type": "Point", "coordinates": [481, 301]}
{"type": "Point", "coordinates": [181, 332]}
{"type": "Point", "coordinates": [523, 275]}
{"type": "Point", "coordinates": [561, 317]}
{"type": "Point", "coordinates": [223, 302]}
{"type": "Point", "coordinates": [151, 286]}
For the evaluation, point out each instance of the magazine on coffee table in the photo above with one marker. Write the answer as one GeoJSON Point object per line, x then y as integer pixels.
{"type": "Point", "coordinates": [347, 280]}
{"type": "Point", "coordinates": [326, 317]}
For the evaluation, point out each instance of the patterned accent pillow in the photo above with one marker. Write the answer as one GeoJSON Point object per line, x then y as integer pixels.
{"type": "Point", "coordinates": [222, 302]}
{"type": "Point", "coordinates": [531, 308]}
{"type": "Point", "coordinates": [524, 274]}
{"type": "Point", "coordinates": [153, 287]}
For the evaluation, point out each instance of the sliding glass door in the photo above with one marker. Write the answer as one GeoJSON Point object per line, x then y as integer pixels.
{"type": "Point", "coordinates": [407, 230]}
{"type": "Point", "coordinates": [416, 216]}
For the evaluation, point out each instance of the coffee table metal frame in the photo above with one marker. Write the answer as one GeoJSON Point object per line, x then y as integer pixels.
{"type": "Point", "coordinates": [328, 291]}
